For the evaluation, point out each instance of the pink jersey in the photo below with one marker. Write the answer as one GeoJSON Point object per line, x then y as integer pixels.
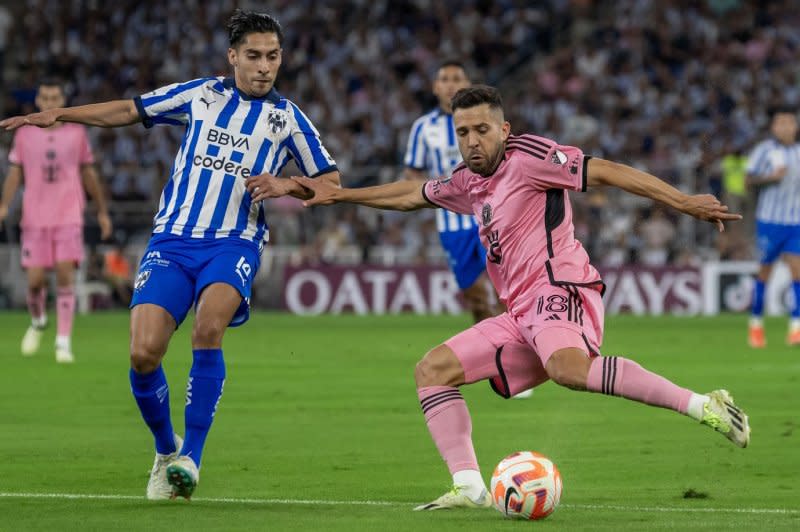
{"type": "Point", "coordinates": [51, 160]}
{"type": "Point", "coordinates": [525, 218]}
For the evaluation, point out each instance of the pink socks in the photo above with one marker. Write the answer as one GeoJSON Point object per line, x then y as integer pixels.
{"type": "Point", "coordinates": [450, 426]}
{"type": "Point", "coordinates": [65, 309]}
{"type": "Point", "coordinates": [625, 378]}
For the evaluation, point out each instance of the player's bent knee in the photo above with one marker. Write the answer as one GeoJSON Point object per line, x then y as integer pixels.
{"type": "Point", "coordinates": [146, 355]}
{"type": "Point", "coordinates": [439, 367]}
{"type": "Point", "coordinates": [208, 333]}
{"type": "Point", "coordinates": [569, 368]}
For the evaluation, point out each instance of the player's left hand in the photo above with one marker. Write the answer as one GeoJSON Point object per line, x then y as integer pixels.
{"type": "Point", "coordinates": [265, 186]}
{"type": "Point", "coordinates": [104, 220]}
{"type": "Point", "coordinates": [708, 208]}
{"type": "Point", "coordinates": [43, 119]}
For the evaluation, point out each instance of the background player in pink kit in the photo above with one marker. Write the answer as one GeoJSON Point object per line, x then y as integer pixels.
{"type": "Point", "coordinates": [517, 187]}
{"type": "Point", "coordinates": [56, 165]}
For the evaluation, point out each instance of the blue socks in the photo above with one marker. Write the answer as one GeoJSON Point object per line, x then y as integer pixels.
{"type": "Point", "coordinates": [203, 392]}
{"type": "Point", "coordinates": [757, 309]}
{"type": "Point", "coordinates": [152, 395]}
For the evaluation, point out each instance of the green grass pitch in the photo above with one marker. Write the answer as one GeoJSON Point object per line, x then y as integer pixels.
{"type": "Point", "coordinates": [319, 429]}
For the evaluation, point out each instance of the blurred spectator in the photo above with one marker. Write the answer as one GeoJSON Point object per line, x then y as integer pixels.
{"type": "Point", "coordinates": [665, 86]}
{"type": "Point", "coordinates": [118, 273]}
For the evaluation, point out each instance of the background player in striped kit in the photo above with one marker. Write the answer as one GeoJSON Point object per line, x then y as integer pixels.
{"type": "Point", "coordinates": [774, 169]}
{"type": "Point", "coordinates": [56, 165]}
{"type": "Point", "coordinates": [209, 230]}
{"type": "Point", "coordinates": [432, 153]}
{"type": "Point", "coordinates": [553, 328]}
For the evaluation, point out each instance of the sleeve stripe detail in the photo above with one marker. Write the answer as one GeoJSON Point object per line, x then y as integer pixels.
{"type": "Point", "coordinates": [520, 144]}
{"type": "Point", "coordinates": [183, 87]}
{"type": "Point", "coordinates": [146, 120]}
{"type": "Point", "coordinates": [415, 143]}
{"type": "Point", "coordinates": [314, 145]}
{"type": "Point", "coordinates": [532, 139]}
{"type": "Point", "coordinates": [584, 177]}
{"type": "Point", "coordinates": [532, 154]}
{"type": "Point", "coordinates": [428, 199]}
{"type": "Point", "coordinates": [327, 170]}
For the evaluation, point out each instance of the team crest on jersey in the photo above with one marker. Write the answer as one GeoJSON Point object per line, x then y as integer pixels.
{"type": "Point", "coordinates": [141, 279]}
{"type": "Point", "coordinates": [486, 214]}
{"type": "Point", "coordinates": [277, 121]}
{"type": "Point", "coordinates": [558, 157]}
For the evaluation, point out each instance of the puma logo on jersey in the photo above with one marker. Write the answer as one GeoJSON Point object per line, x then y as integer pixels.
{"type": "Point", "coordinates": [208, 104]}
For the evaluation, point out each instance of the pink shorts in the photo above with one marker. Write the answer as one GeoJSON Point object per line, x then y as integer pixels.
{"type": "Point", "coordinates": [44, 247]}
{"type": "Point", "coordinates": [512, 353]}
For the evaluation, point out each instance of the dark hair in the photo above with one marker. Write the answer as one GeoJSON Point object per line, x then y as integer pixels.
{"type": "Point", "coordinates": [52, 82]}
{"type": "Point", "coordinates": [452, 63]}
{"type": "Point", "coordinates": [781, 109]}
{"type": "Point", "coordinates": [244, 22]}
{"type": "Point", "coordinates": [477, 95]}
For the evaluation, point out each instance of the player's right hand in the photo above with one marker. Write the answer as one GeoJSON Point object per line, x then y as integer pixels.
{"type": "Point", "coordinates": [324, 192]}
{"type": "Point", "coordinates": [43, 119]}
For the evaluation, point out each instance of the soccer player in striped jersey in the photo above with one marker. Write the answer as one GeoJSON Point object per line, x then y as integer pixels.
{"type": "Point", "coordinates": [517, 186]}
{"type": "Point", "coordinates": [774, 168]}
{"type": "Point", "coordinates": [209, 229]}
{"type": "Point", "coordinates": [56, 165]}
{"type": "Point", "coordinates": [432, 153]}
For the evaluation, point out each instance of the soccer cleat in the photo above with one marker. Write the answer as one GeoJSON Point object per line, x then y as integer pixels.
{"type": "Point", "coordinates": [756, 337]}
{"type": "Point", "coordinates": [793, 338]}
{"type": "Point", "coordinates": [183, 476]}
{"type": "Point", "coordinates": [456, 498]}
{"type": "Point", "coordinates": [157, 487]}
{"type": "Point", "coordinates": [722, 415]}
{"type": "Point", "coordinates": [64, 356]}
{"type": "Point", "coordinates": [31, 340]}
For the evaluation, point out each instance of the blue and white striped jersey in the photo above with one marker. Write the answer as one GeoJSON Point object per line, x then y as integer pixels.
{"type": "Point", "coordinates": [432, 148]}
{"type": "Point", "coordinates": [229, 136]}
{"type": "Point", "coordinates": [778, 203]}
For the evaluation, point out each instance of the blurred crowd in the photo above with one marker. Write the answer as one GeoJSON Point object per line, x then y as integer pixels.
{"type": "Point", "coordinates": [670, 87]}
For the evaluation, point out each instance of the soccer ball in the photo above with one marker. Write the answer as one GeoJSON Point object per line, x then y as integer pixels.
{"type": "Point", "coordinates": [526, 485]}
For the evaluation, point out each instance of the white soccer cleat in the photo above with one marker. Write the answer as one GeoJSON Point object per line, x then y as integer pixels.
{"type": "Point", "coordinates": [722, 415]}
{"type": "Point", "coordinates": [183, 476]}
{"type": "Point", "coordinates": [31, 340]}
{"type": "Point", "coordinates": [524, 394]}
{"type": "Point", "coordinates": [456, 498]}
{"type": "Point", "coordinates": [157, 487]}
{"type": "Point", "coordinates": [64, 356]}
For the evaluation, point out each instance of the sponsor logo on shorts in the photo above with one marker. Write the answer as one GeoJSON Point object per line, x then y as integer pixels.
{"type": "Point", "coordinates": [243, 270]}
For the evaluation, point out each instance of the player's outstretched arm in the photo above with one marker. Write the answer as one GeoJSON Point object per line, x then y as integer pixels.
{"type": "Point", "coordinates": [404, 195]}
{"type": "Point", "coordinates": [107, 114]}
{"type": "Point", "coordinates": [705, 207]}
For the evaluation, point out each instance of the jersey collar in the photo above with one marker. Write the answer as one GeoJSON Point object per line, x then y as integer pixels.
{"type": "Point", "coordinates": [272, 95]}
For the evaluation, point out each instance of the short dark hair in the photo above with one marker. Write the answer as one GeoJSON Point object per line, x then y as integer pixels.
{"type": "Point", "coordinates": [477, 95]}
{"type": "Point", "coordinates": [452, 63]}
{"type": "Point", "coordinates": [244, 22]}
{"type": "Point", "coordinates": [781, 109]}
{"type": "Point", "coordinates": [51, 81]}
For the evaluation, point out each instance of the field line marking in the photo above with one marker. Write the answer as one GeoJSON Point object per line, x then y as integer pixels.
{"type": "Point", "coordinates": [232, 500]}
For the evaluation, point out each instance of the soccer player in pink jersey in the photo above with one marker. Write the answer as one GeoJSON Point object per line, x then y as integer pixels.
{"type": "Point", "coordinates": [518, 187]}
{"type": "Point", "coordinates": [56, 165]}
